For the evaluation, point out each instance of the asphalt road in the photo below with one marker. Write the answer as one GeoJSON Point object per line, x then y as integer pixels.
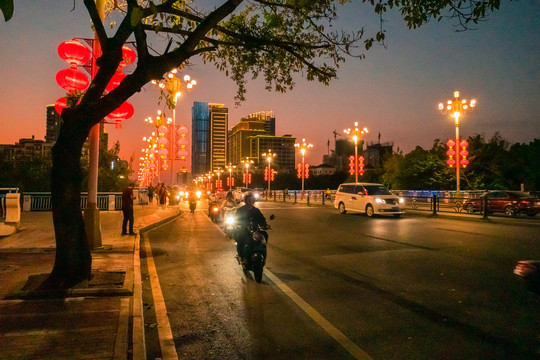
{"type": "Point", "coordinates": [347, 286]}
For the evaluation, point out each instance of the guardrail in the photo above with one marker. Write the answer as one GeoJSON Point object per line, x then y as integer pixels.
{"type": "Point", "coordinates": [41, 201]}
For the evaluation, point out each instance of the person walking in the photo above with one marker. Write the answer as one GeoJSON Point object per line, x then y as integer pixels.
{"type": "Point", "coordinates": [162, 194]}
{"type": "Point", "coordinates": [127, 210]}
{"type": "Point", "coordinates": [150, 193]}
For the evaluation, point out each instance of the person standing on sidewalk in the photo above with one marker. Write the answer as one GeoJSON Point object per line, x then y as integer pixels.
{"type": "Point", "coordinates": [127, 210]}
{"type": "Point", "coordinates": [150, 194]}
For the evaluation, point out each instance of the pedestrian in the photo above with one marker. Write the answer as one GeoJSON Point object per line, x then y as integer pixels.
{"type": "Point", "coordinates": [127, 210]}
{"type": "Point", "coordinates": [163, 194]}
{"type": "Point", "coordinates": [150, 193]}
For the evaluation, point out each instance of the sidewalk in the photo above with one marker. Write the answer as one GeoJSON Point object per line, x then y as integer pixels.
{"type": "Point", "coordinates": [101, 319]}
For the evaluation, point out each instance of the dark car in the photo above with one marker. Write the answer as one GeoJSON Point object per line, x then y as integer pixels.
{"type": "Point", "coordinates": [511, 203]}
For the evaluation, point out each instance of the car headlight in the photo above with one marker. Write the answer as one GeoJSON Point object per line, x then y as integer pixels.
{"type": "Point", "coordinates": [379, 201]}
{"type": "Point", "coordinates": [256, 195]}
{"type": "Point", "coordinates": [401, 200]}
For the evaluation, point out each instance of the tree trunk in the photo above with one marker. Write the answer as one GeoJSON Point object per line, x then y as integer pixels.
{"type": "Point", "coordinates": [73, 261]}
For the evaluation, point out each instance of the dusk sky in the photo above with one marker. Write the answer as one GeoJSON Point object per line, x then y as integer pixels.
{"type": "Point", "coordinates": [394, 91]}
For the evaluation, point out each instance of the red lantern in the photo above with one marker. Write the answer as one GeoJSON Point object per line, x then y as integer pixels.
{"type": "Point", "coordinates": [464, 162]}
{"type": "Point", "coordinates": [182, 153]}
{"type": "Point", "coordinates": [450, 143]}
{"type": "Point", "coordinates": [450, 162]}
{"type": "Point", "coordinates": [128, 56]}
{"type": "Point", "coordinates": [60, 105]}
{"type": "Point", "coordinates": [182, 130]}
{"type": "Point", "coordinates": [115, 81]}
{"type": "Point", "coordinates": [74, 52]}
{"type": "Point", "coordinates": [72, 79]}
{"type": "Point", "coordinates": [123, 112]}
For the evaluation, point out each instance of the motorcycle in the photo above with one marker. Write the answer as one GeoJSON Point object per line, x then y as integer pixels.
{"type": "Point", "coordinates": [192, 205]}
{"type": "Point", "coordinates": [228, 221]}
{"type": "Point", "coordinates": [255, 250]}
{"type": "Point", "coordinates": [213, 212]}
{"type": "Point", "coordinates": [529, 271]}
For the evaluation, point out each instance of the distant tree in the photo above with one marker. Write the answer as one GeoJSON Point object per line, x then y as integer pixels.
{"type": "Point", "coordinates": [272, 39]}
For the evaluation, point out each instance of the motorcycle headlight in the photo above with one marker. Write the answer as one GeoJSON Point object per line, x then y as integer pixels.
{"type": "Point", "coordinates": [229, 220]}
{"type": "Point", "coordinates": [199, 194]}
{"type": "Point", "coordinates": [216, 209]}
{"type": "Point", "coordinates": [401, 200]}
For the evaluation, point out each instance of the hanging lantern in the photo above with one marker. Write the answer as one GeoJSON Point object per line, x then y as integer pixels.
{"type": "Point", "coordinates": [60, 105]}
{"type": "Point", "coordinates": [182, 130]}
{"type": "Point", "coordinates": [162, 130]}
{"type": "Point", "coordinates": [163, 152]}
{"type": "Point", "coordinates": [182, 142]}
{"type": "Point", "coordinates": [72, 79]}
{"type": "Point", "coordinates": [451, 162]}
{"type": "Point", "coordinates": [450, 143]}
{"type": "Point", "coordinates": [115, 81]}
{"type": "Point", "coordinates": [162, 141]}
{"type": "Point", "coordinates": [183, 154]}
{"type": "Point", "coordinates": [123, 112]}
{"type": "Point", "coordinates": [74, 52]}
{"type": "Point", "coordinates": [128, 56]}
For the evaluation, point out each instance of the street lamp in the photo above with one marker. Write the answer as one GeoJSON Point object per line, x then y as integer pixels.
{"type": "Point", "coordinates": [302, 171]}
{"type": "Point", "coordinates": [269, 175]}
{"type": "Point", "coordinates": [455, 108]}
{"type": "Point", "coordinates": [247, 179]}
{"type": "Point", "coordinates": [174, 87]}
{"type": "Point", "coordinates": [219, 171]}
{"type": "Point", "coordinates": [160, 123]}
{"type": "Point", "coordinates": [356, 133]}
{"type": "Point", "coordinates": [230, 181]}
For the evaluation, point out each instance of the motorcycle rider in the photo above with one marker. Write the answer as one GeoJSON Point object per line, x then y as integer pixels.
{"type": "Point", "coordinates": [228, 203]}
{"type": "Point", "coordinates": [244, 216]}
{"type": "Point", "coordinates": [192, 199]}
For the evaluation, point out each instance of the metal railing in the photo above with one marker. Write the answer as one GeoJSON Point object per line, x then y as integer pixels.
{"type": "Point", "coordinates": [41, 201]}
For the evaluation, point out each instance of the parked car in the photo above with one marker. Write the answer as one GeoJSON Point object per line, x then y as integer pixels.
{"type": "Point", "coordinates": [371, 199]}
{"type": "Point", "coordinates": [511, 203]}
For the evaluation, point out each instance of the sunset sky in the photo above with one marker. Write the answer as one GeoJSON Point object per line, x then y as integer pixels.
{"type": "Point", "coordinates": [394, 91]}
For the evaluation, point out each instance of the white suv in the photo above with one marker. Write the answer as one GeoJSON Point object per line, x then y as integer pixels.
{"type": "Point", "coordinates": [372, 199]}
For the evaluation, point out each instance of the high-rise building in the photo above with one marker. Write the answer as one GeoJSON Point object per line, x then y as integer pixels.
{"type": "Point", "coordinates": [282, 146]}
{"type": "Point", "coordinates": [209, 137]}
{"type": "Point", "coordinates": [53, 124]}
{"type": "Point", "coordinates": [238, 140]}
{"type": "Point", "coordinates": [268, 118]}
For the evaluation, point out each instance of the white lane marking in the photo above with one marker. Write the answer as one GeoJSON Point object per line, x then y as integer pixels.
{"type": "Point", "coordinates": [166, 342]}
{"type": "Point", "coordinates": [334, 332]}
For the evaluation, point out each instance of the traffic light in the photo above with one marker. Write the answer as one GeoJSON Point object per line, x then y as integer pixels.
{"type": "Point", "coordinates": [451, 152]}
{"type": "Point", "coordinates": [463, 153]}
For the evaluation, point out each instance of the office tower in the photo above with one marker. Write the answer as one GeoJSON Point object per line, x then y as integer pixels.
{"type": "Point", "coordinates": [209, 137]}
{"type": "Point", "coordinates": [238, 140]}
{"type": "Point", "coordinates": [268, 118]}
{"type": "Point", "coordinates": [282, 146]}
{"type": "Point", "coordinates": [53, 124]}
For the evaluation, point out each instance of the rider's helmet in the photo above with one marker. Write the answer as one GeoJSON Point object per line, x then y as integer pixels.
{"type": "Point", "coordinates": [248, 196]}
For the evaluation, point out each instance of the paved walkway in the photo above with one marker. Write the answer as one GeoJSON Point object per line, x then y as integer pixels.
{"type": "Point", "coordinates": [101, 319]}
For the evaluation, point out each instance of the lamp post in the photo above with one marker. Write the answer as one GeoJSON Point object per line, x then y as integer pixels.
{"type": "Point", "coordinates": [246, 164]}
{"type": "Point", "coordinates": [160, 123]}
{"type": "Point", "coordinates": [302, 172]}
{"type": "Point", "coordinates": [174, 87]}
{"type": "Point", "coordinates": [230, 167]}
{"type": "Point", "coordinates": [218, 172]}
{"type": "Point", "coordinates": [455, 108]}
{"type": "Point", "coordinates": [269, 156]}
{"type": "Point", "coordinates": [356, 133]}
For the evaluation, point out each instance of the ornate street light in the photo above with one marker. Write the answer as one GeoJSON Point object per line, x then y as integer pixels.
{"type": "Point", "coordinates": [247, 178]}
{"type": "Point", "coordinates": [174, 87]}
{"type": "Point", "coordinates": [230, 179]}
{"type": "Point", "coordinates": [356, 133]}
{"type": "Point", "coordinates": [303, 171]}
{"type": "Point", "coordinates": [455, 108]}
{"type": "Point", "coordinates": [269, 173]}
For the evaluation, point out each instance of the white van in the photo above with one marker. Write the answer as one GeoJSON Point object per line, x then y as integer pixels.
{"type": "Point", "coordinates": [372, 199]}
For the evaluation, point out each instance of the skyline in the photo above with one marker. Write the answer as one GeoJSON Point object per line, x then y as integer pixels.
{"type": "Point", "coordinates": [395, 91]}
